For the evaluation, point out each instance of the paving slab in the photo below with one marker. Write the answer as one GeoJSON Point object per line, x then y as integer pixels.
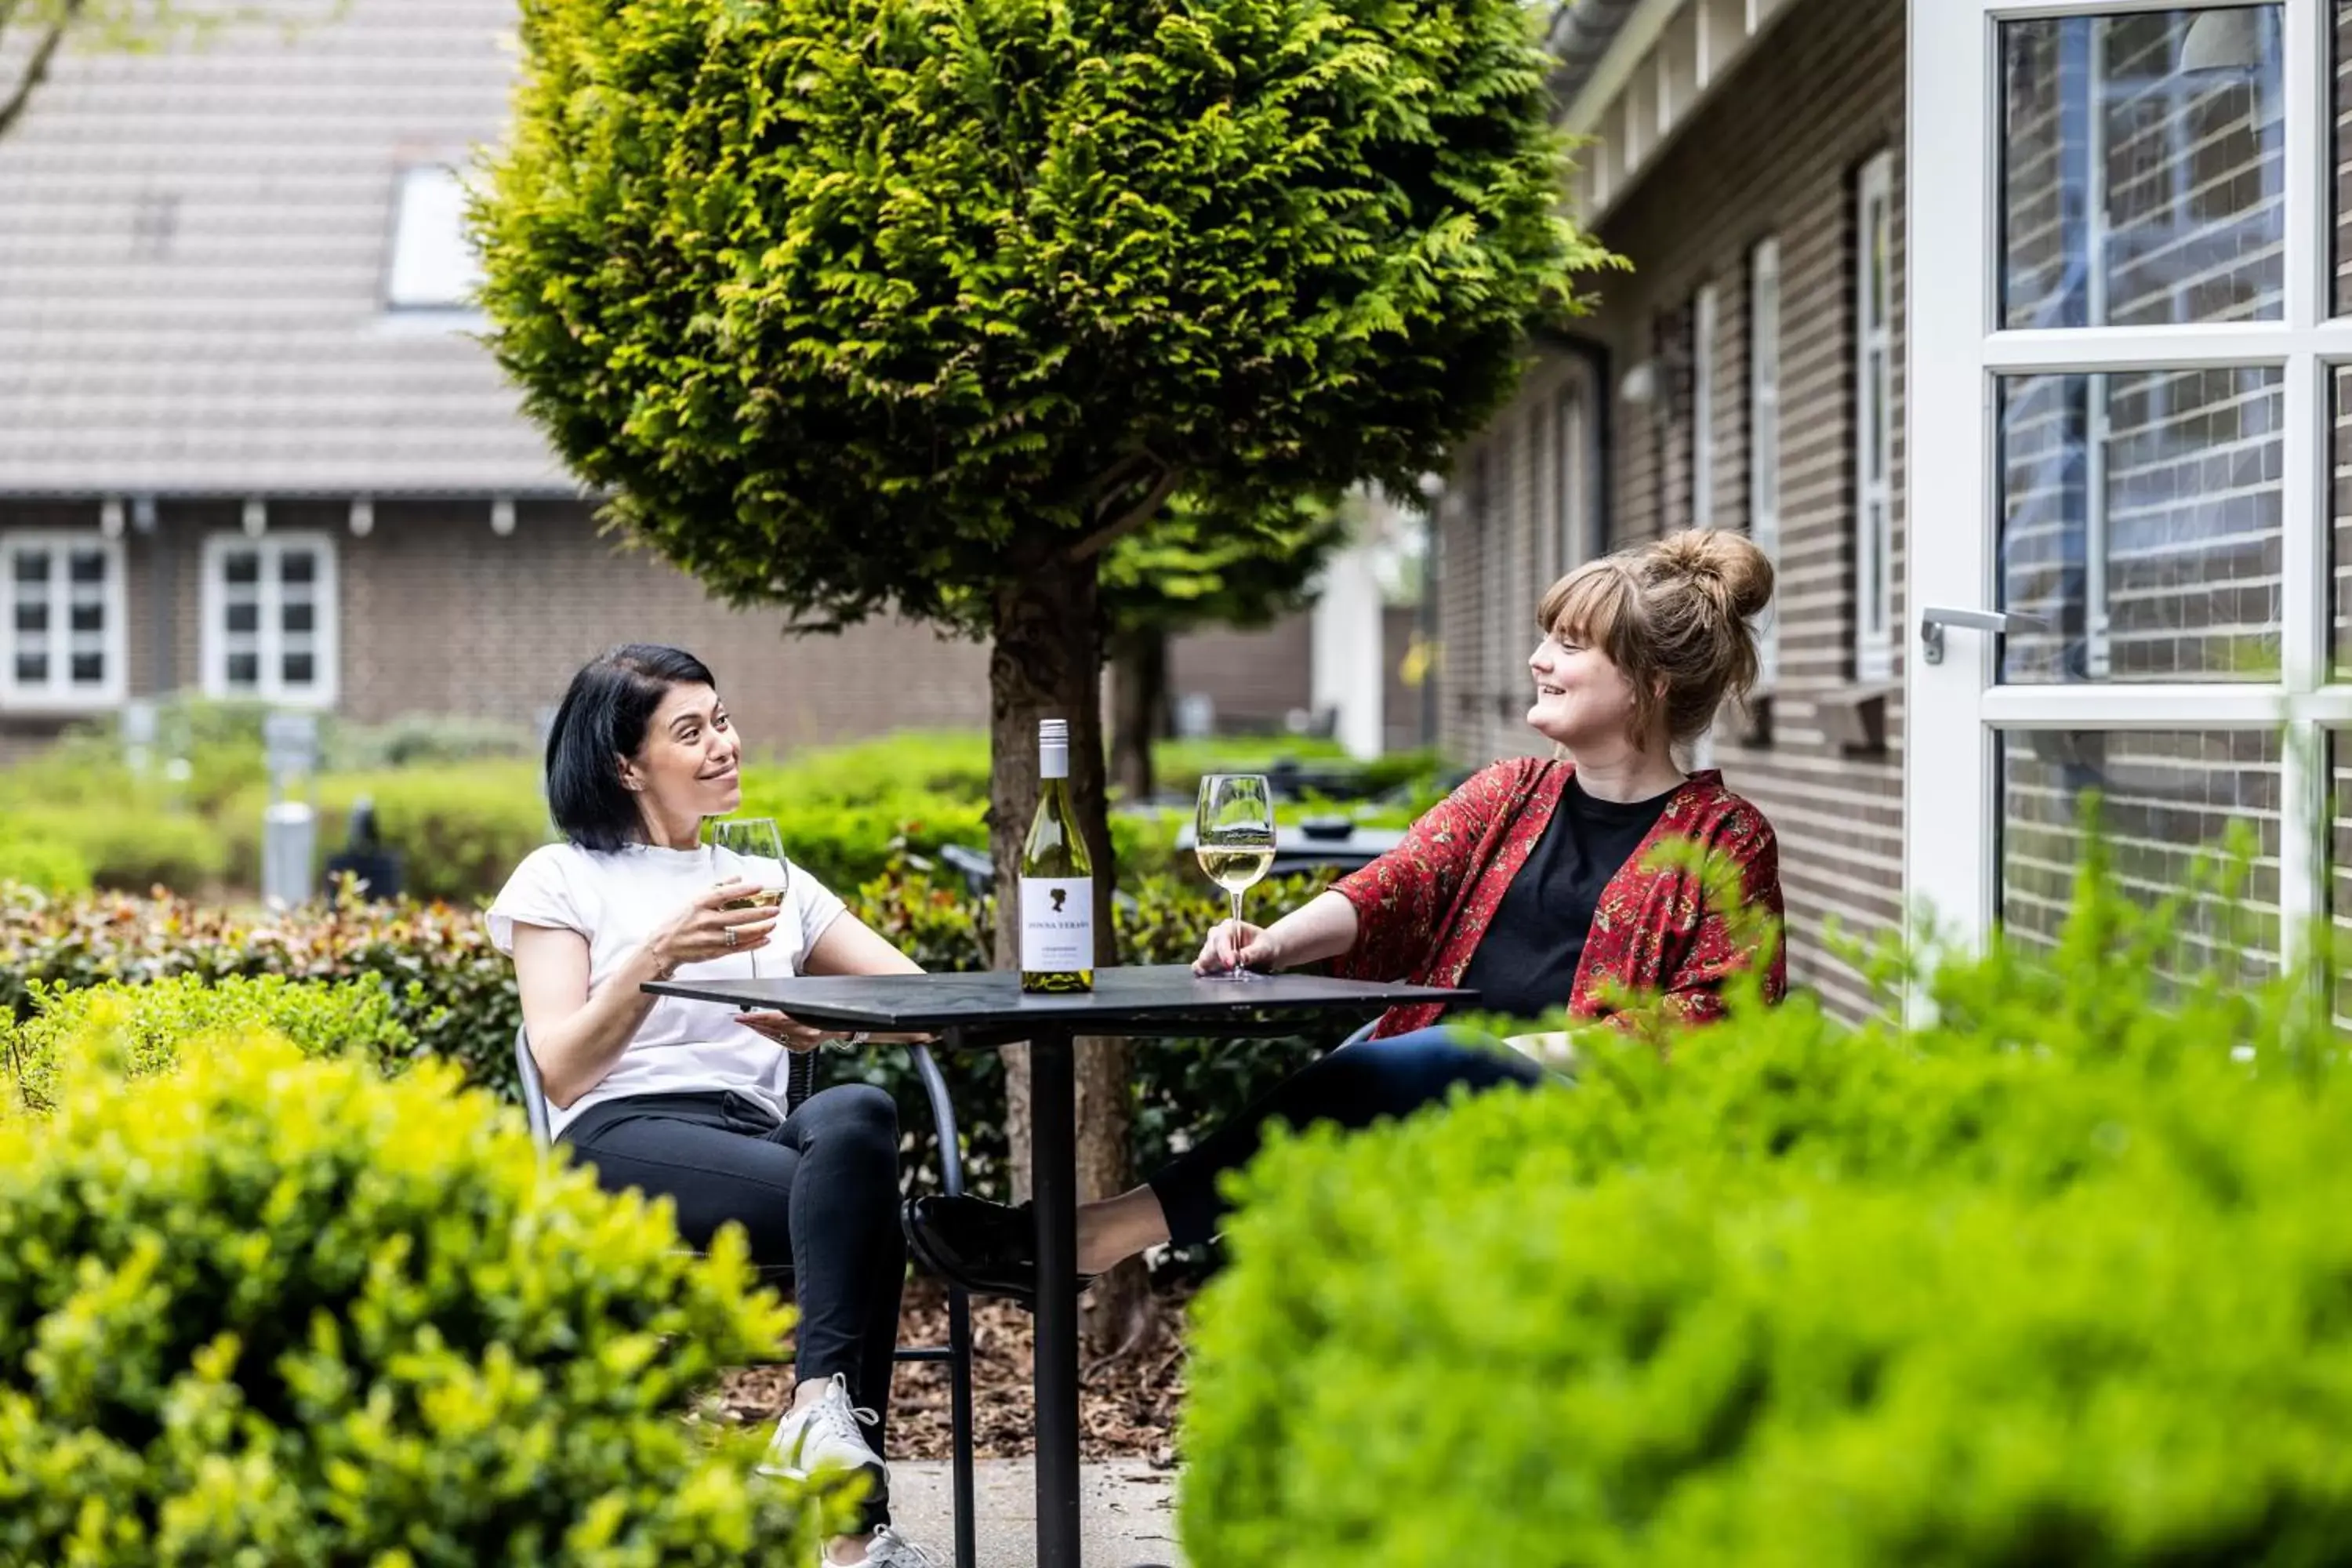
{"type": "Point", "coordinates": [1127, 1510]}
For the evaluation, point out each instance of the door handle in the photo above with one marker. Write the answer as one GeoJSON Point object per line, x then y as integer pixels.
{"type": "Point", "coordinates": [1934, 618]}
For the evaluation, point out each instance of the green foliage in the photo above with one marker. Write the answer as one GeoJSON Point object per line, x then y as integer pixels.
{"type": "Point", "coordinates": [442, 980]}
{"type": "Point", "coordinates": [1198, 565]}
{"type": "Point", "coordinates": [140, 1028]}
{"type": "Point", "coordinates": [2058, 1279]}
{"type": "Point", "coordinates": [131, 843]}
{"type": "Point", "coordinates": [376, 1328]}
{"type": "Point", "coordinates": [854, 306]}
{"type": "Point", "coordinates": [205, 752]}
{"type": "Point", "coordinates": [42, 864]}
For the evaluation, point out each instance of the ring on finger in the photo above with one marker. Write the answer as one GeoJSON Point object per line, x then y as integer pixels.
{"type": "Point", "coordinates": [731, 936]}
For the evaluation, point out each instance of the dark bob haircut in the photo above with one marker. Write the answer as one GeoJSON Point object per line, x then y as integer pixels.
{"type": "Point", "coordinates": [601, 718]}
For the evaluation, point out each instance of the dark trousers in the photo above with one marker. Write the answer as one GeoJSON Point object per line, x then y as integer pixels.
{"type": "Point", "coordinates": [1353, 1086]}
{"type": "Point", "coordinates": [818, 1192]}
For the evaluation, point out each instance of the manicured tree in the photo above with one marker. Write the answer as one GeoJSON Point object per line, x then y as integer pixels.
{"type": "Point", "coordinates": [865, 306]}
{"type": "Point", "coordinates": [1192, 567]}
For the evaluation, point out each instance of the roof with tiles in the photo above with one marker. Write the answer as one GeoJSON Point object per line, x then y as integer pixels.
{"type": "Point", "coordinates": [195, 252]}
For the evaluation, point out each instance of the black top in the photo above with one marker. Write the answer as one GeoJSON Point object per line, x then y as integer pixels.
{"type": "Point", "coordinates": [1525, 963]}
{"type": "Point", "coordinates": [1144, 999]}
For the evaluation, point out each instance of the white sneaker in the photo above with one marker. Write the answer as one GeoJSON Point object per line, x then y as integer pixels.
{"type": "Point", "coordinates": [886, 1548]}
{"type": "Point", "coordinates": [822, 1435]}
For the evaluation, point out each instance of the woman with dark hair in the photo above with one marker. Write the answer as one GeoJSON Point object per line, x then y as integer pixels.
{"type": "Point", "coordinates": [689, 1099]}
{"type": "Point", "coordinates": [1534, 884]}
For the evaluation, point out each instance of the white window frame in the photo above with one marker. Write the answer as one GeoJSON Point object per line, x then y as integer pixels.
{"type": "Point", "coordinates": [326, 634]}
{"type": "Point", "coordinates": [1873, 439]}
{"type": "Point", "coordinates": [58, 694]}
{"type": "Point", "coordinates": [1493, 574]}
{"type": "Point", "coordinates": [1764, 438]}
{"type": "Point", "coordinates": [1705, 315]}
{"type": "Point", "coordinates": [1959, 350]}
{"type": "Point", "coordinates": [1573, 475]}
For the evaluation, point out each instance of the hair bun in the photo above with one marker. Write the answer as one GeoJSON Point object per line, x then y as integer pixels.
{"type": "Point", "coordinates": [1729, 563]}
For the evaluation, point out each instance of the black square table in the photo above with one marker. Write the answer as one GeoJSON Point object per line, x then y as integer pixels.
{"type": "Point", "coordinates": [985, 1010]}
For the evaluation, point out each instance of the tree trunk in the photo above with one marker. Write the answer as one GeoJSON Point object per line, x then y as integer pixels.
{"type": "Point", "coordinates": [1047, 664]}
{"type": "Point", "coordinates": [1139, 687]}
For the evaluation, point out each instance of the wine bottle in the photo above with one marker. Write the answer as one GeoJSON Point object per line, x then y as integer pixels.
{"type": "Point", "coordinates": [1057, 884]}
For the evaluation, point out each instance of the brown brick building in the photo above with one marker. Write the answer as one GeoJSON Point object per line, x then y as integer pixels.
{"type": "Point", "coordinates": [1991, 322]}
{"type": "Point", "coordinates": [248, 446]}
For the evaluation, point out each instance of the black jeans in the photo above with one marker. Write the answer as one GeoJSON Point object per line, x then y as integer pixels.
{"type": "Point", "coordinates": [1353, 1086]}
{"type": "Point", "coordinates": [818, 1192]}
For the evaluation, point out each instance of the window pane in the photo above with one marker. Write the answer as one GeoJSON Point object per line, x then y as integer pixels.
{"type": "Point", "coordinates": [299, 617]}
{"type": "Point", "coordinates": [300, 670]}
{"type": "Point", "coordinates": [1879, 237]}
{"type": "Point", "coordinates": [2143, 169]}
{"type": "Point", "coordinates": [32, 566]}
{"type": "Point", "coordinates": [2164, 798]}
{"type": "Point", "coordinates": [32, 615]}
{"type": "Point", "coordinates": [2339, 494]}
{"type": "Point", "coordinates": [2343, 231]}
{"type": "Point", "coordinates": [32, 669]}
{"type": "Point", "coordinates": [297, 566]}
{"type": "Point", "coordinates": [87, 567]}
{"type": "Point", "coordinates": [89, 669]}
{"type": "Point", "coordinates": [90, 617]}
{"type": "Point", "coordinates": [2339, 865]}
{"type": "Point", "coordinates": [245, 670]}
{"type": "Point", "coordinates": [244, 619]}
{"type": "Point", "coordinates": [241, 566]}
{"type": "Point", "coordinates": [2140, 525]}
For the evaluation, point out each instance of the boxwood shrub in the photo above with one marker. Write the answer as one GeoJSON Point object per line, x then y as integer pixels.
{"type": "Point", "coordinates": [443, 982]}
{"type": "Point", "coordinates": [141, 1027]}
{"type": "Point", "coordinates": [290, 1311]}
{"type": "Point", "coordinates": [2061, 1278]}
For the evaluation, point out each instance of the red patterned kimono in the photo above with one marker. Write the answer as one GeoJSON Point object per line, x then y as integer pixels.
{"type": "Point", "coordinates": [1422, 908]}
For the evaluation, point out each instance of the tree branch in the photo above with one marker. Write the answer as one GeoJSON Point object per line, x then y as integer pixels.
{"type": "Point", "coordinates": [1130, 520]}
{"type": "Point", "coordinates": [1115, 477]}
{"type": "Point", "coordinates": [36, 67]}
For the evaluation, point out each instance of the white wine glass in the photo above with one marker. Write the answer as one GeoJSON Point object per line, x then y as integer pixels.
{"type": "Point", "coordinates": [1234, 837]}
{"type": "Point", "coordinates": [754, 841]}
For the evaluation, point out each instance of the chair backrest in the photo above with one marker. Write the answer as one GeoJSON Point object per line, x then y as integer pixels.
{"type": "Point", "coordinates": [534, 1093]}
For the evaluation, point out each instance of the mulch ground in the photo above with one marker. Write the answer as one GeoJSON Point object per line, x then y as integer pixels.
{"type": "Point", "coordinates": [1126, 1406]}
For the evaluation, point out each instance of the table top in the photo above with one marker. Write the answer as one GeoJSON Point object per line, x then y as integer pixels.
{"type": "Point", "coordinates": [1142, 999]}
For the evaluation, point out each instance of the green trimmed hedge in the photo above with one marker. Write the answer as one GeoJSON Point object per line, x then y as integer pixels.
{"type": "Point", "coordinates": [442, 981]}
{"type": "Point", "coordinates": [131, 844]}
{"type": "Point", "coordinates": [140, 1025]}
{"type": "Point", "coordinates": [289, 1311]}
{"type": "Point", "coordinates": [2061, 1278]}
{"type": "Point", "coordinates": [41, 863]}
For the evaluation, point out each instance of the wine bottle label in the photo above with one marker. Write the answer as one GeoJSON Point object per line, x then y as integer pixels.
{"type": "Point", "coordinates": [1057, 923]}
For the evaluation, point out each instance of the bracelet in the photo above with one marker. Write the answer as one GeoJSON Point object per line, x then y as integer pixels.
{"type": "Point", "coordinates": [860, 1039]}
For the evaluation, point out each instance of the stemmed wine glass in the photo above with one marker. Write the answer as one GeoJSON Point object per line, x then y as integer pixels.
{"type": "Point", "coordinates": [754, 841]}
{"type": "Point", "coordinates": [1234, 837]}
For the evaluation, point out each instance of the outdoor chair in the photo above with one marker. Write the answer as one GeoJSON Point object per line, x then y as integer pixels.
{"type": "Point", "coordinates": [957, 1351]}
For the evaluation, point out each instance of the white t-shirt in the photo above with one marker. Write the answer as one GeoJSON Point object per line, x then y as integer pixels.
{"type": "Point", "coordinates": [617, 900]}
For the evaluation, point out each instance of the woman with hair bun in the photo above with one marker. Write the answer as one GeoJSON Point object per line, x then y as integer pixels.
{"type": "Point", "coordinates": [1535, 884]}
